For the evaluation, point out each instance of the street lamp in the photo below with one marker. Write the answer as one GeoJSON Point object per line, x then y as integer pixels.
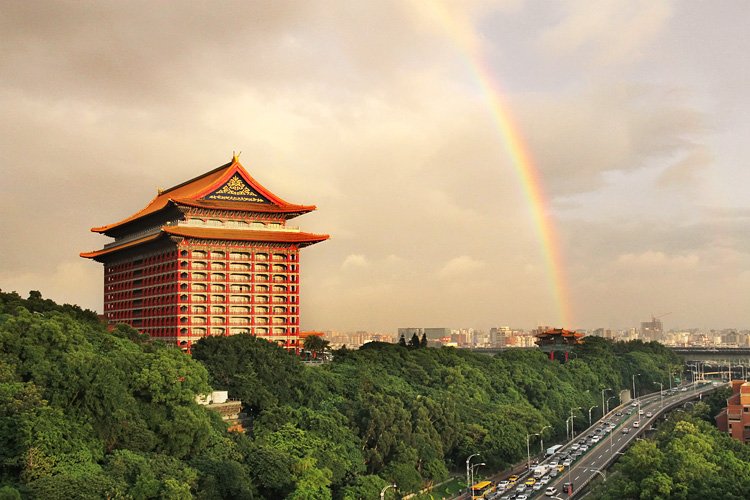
{"type": "Point", "coordinates": [474, 466]}
{"type": "Point", "coordinates": [382, 492]}
{"type": "Point", "coordinates": [468, 470]}
{"type": "Point", "coordinates": [608, 400]}
{"type": "Point", "coordinates": [661, 393]}
{"type": "Point", "coordinates": [541, 438]}
{"type": "Point", "coordinates": [639, 413]}
{"type": "Point", "coordinates": [603, 391]}
{"type": "Point", "coordinates": [636, 375]}
{"type": "Point", "coordinates": [528, 453]}
{"type": "Point", "coordinates": [572, 422]}
{"type": "Point", "coordinates": [595, 406]}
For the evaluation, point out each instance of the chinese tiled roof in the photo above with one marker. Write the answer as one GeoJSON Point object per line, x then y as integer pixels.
{"type": "Point", "coordinates": [301, 238]}
{"type": "Point", "coordinates": [192, 193]}
{"type": "Point", "coordinates": [207, 233]}
{"type": "Point", "coordinates": [117, 248]}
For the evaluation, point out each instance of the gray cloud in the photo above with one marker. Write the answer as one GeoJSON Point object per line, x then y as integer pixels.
{"type": "Point", "coordinates": [373, 111]}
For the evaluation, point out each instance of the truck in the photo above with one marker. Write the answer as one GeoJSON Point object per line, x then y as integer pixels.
{"type": "Point", "coordinates": [540, 470]}
{"type": "Point", "coordinates": [553, 449]}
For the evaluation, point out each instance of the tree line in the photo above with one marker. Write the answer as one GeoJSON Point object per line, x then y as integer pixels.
{"type": "Point", "coordinates": [88, 413]}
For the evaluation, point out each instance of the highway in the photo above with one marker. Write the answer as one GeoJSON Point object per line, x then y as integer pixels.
{"type": "Point", "coordinates": [601, 455]}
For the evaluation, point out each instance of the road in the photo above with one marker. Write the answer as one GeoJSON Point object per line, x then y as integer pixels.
{"type": "Point", "coordinates": [601, 455]}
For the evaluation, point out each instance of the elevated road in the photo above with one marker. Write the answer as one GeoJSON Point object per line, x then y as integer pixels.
{"type": "Point", "coordinates": [611, 445]}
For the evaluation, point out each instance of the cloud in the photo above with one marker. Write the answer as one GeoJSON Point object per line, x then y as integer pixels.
{"type": "Point", "coordinates": [461, 266]}
{"type": "Point", "coordinates": [686, 172]}
{"type": "Point", "coordinates": [614, 32]}
{"type": "Point", "coordinates": [355, 261]}
{"type": "Point", "coordinates": [652, 259]}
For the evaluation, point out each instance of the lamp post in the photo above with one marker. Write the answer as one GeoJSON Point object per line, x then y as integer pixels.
{"type": "Point", "coordinates": [639, 413]}
{"type": "Point", "coordinates": [474, 466]}
{"type": "Point", "coordinates": [382, 492]}
{"type": "Point", "coordinates": [541, 438]}
{"type": "Point", "coordinates": [595, 406]}
{"type": "Point", "coordinates": [572, 422]}
{"type": "Point", "coordinates": [608, 400]}
{"type": "Point", "coordinates": [528, 453]}
{"type": "Point", "coordinates": [636, 375]}
{"type": "Point", "coordinates": [468, 469]}
{"type": "Point", "coordinates": [661, 394]}
{"type": "Point", "coordinates": [603, 391]}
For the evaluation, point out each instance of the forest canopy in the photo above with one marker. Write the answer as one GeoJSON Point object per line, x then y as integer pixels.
{"type": "Point", "coordinates": [91, 413]}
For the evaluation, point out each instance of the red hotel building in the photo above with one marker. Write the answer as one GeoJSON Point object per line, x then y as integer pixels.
{"type": "Point", "coordinates": [210, 256]}
{"type": "Point", "coordinates": [735, 418]}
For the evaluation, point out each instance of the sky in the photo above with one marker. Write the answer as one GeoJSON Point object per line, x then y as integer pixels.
{"type": "Point", "coordinates": [398, 119]}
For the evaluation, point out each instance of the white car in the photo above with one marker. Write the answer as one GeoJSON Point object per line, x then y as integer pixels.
{"type": "Point", "coordinates": [502, 485]}
{"type": "Point", "coordinates": [551, 491]}
{"type": "Point", "coordinates": [649, 414]}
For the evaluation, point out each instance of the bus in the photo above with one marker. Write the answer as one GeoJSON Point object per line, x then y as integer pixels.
{"type": "Point", "coordinates": [553, 449]}
{"type": "Point", "coordinates": [482, 489]}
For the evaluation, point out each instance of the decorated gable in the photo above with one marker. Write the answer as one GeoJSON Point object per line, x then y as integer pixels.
{"type": "Point", "coordinates": [236, 189]}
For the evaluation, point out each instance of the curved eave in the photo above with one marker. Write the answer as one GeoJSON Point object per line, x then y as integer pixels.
{"type": "Point", "coordinates": [198, 187]}
{"type": "Point", "coordinates": [301, 238]}
{"type": "Point", "coordinates": [107, 251]}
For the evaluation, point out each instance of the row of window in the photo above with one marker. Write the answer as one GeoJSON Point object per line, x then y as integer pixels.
{"type": "Point", "coordinates": [235, 266]}
{"type": "Point", "coordinates": [237, 255]}
{"type": "Point", "coordinates": [231, 223]}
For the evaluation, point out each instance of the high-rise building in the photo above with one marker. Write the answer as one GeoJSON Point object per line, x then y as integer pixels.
{"type": "Point", "coordinates": [210, 256]}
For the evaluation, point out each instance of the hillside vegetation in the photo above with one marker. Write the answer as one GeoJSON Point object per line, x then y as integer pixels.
{"type": "Point", "coordinates": [87, 413]}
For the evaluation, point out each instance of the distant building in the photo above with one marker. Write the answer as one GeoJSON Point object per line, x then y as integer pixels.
{"type": "Point", "coordinates": [652, 330]}
{"type": "Point", "coordinates": [558, 340]}
{"type": "Point", "coordinates": [230, 410]}
{"type": "Point", "coordinates": [209, 256]}
{"type": "Point", "coordinates": [735, 418]}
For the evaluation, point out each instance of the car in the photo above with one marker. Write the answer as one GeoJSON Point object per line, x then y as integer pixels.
{"type": "Point", "coordinates": [574, 446]}
{"type": "Point", "coordinates": [530, 481]}
{"type": "Point", "coordinates": [551, 491]}
{"type": "Point", "coordinates": [640, 412]}
{"type": "Point", "coordinates": [634, 404]}
{"type": "Point", "coordinates": [553, 463]}
{"type": "Point", "coordinates": [649, 414]}
{"type": "Point", "coordinates": [522, 497]}
{"type": "Point", "coordinates": [618, 414]}
{"type": "Point", "coordinates": [567, 463]}
{"type": "Point", "coordinates": [502, 485]}
{"type": "Point", "coordinates": [630, 412]}
{"type": "Point", "coordinates": [553, 473]}
{"type": "Point", "coordinates": [584, 448]}
{"type": "Point", "coordinates": [545, 480]}
{"type": "Point", "coordinates": [560, 468]}
{"type": "Point", "coordinates": [512, 479]}
{"type": "Point", "coordinates": [636, 423]}
{"type": "Point", "coordinates": [626, 430]}
{"type": "Point", "coordinates": [521, 488]}
{"type": "Point", "coordinates": [537, 487]}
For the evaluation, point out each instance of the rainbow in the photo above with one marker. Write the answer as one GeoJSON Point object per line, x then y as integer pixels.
{"type": "Point", "coordinates": [462, 32]}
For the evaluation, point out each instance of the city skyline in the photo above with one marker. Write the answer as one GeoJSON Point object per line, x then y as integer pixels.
{"type": "Point", "coordinates": [476, 163]}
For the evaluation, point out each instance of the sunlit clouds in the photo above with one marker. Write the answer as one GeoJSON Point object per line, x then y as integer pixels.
{"type": "Point", "coordinates": [634, 114]}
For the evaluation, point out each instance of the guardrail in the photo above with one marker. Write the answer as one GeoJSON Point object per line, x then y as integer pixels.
{"type": "Point", "coordinates": [641, 430]}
